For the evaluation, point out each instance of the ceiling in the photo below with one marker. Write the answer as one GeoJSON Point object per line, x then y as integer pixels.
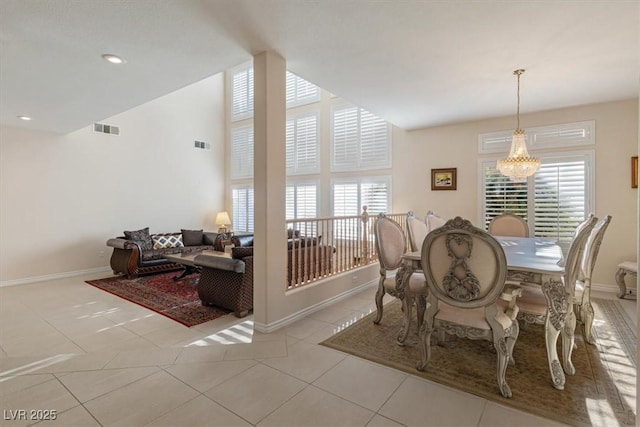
{"type": "Point", "coordinates": [414, 63]}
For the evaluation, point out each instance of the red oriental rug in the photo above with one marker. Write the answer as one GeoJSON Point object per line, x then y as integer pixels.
{"type": "Point", "coordinates": [176, 300]}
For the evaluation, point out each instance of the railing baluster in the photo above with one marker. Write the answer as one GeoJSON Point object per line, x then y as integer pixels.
{"type": "Point", "coordinates": [347, 241]}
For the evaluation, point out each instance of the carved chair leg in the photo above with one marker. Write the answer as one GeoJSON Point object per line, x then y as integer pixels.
{"type": "Point", "coordinates": [587, 318]}
{"type": "Point", "coordinates": [503, 360]}
{"type": "Point", "coordinates": [425, 345]}
{"type": "Point", "coordinates": [379, 296]}
{"type": "Point", "coordinates": [568, 342]}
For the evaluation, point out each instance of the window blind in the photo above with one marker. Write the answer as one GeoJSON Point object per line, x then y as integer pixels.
{"type": "Point", "coordinates": [302, 144]}
{"type": "Point", "coordinates": [242, 94]}
{"type": "Point", "coordinates": [360, 140]}
{"type": "Point", "coordinates": [299, 91]}
{"type": "Point", "coordinates": [556, 199]}
{"type": "Point", "coordinates": [301, 200]}
{"type": "Point", "coordinates": [560, 198]}
{"type": "Point", "coordinates": [242, 199]}
{"type": "Point", "coordinates": [242, 152]}
{"type": "Point", "coordinates": [349, 196]}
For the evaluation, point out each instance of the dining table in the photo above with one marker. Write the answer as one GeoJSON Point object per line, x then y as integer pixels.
{"type": "Point", "coordinates": [532, 260]}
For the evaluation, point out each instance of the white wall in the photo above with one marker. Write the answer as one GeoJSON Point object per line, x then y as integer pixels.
{"type": "Point", "coordinates": [63, 196]}
{"type": "Point", "coordinates": [416, 153]}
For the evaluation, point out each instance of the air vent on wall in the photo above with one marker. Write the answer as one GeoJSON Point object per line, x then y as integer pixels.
{"type": "Point", "coordinates": [203, 145]}
{"type": "Point", "coordinates": [103, 128]}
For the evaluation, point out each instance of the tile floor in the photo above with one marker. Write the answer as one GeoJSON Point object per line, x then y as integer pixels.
{"type": "Point", "coordinates": [98, 360]}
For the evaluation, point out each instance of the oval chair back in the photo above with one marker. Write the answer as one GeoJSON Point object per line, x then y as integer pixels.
{"type": "Point", "coordinates": [508, 224]}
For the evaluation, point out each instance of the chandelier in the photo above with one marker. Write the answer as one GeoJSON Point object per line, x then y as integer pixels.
{"type": "Point", "coordinates": [518, 166]}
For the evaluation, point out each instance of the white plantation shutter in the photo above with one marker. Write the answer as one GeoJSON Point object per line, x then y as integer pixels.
{"type": "Point", "coordinates": [242, 208]}
{"type": "Point", "coordinates": [554, 201]}
{"type": "Point", "coordinates": [302, 200]}
{"type": "Point", "coordinates": [502, 195]}
{"type": "Point", "coordinates": [345, 139]}
{"type": "Point", "coordinates": [560, 197]}
{"type": "Point", "coordinates": [345, 199]}
{"type": "Point", "coordinates": [551, 136]}
{"type": "Point", "coordinates": [375, 196]}
{"type": "Point", "coordinates": [300, 91]}
{"type": "Point", "coordinates": [242, 152]}
{"type": "Point", "coordinates": [302, 144]}
{"type": "Point", "coordinates": [349, 196]}
{"type": "Point", "coordinates": [242, 94]}
{"type": "Point", "coordinates": [360, 140]}
{"type": "Point", "coordinates": [374, 141]}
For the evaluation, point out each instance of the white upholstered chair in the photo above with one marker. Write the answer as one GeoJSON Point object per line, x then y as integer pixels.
{"type": "Point", "coordinates": [508, 224]}
{"type": "Point", "coordinates": [417, 230]}
{"type": "Point", "coordinates": [465, 269]}
{"type": "Point", "coordinates": [434, 221]}
{"type": "Point", "coordinates": [533, 303]}
{"type": "Point", "coordinates": [583, 285]}
{"type": "Point", "coordinates": [390, 245]}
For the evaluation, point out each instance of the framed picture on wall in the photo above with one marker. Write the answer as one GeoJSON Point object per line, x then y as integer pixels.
{"type": "Point", "coordinates": [634, 172]}
{"type": "Point", "coordinates": [444, 179]}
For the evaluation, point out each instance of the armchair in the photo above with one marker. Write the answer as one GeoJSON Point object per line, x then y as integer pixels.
{"type": "Point", "coordinates": [226, 282]}
{"type": "Point", "coordinates": [508, 224]}
{"type": "Point", "coordinates": [465, 269]}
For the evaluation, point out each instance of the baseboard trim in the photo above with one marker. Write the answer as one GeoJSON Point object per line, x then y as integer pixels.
{"type": "Point", "coordinates": [44, 278]}
{"type": "Point", "coordinates": [271, 327]}
{"type": "Point", "coordinates": [601, 287]}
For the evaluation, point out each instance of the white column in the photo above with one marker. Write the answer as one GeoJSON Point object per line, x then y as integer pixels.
{"type": "Point", "coordinates": [269, 180]}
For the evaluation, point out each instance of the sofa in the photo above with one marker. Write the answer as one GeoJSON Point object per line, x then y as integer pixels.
{"type": "Point", "coordinates": [307, 258]}
{"type": "Point", "coordinates": [227, 281]}
{"type": "Point", "coordinates": [139, 252]}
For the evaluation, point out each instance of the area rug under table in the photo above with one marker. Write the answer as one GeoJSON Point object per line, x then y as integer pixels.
{"type": "Point", "coordinates": [604, 384]}
{"type": "Point", "coordinates": [177, 300]}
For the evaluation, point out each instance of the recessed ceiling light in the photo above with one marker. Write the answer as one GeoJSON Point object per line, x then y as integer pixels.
{"type": "Point", "coordinates": [25, 118]}
{"type": "Point", "coordinates": [114, 59]}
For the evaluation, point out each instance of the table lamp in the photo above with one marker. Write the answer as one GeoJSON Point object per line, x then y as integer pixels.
{"type": "Point", "coordinates": [222, 220]}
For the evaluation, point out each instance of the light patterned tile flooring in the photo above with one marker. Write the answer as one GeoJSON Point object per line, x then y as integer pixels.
{"type": "Point", "coordinates": [99, 360]}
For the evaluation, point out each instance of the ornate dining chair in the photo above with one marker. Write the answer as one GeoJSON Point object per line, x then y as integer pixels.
{"type": "Point", "coordinates": [508, 224]}
{"type": "Point", "coordinates": [465, 269]}
{"type": "Point", "coordinates": [583, 306]}
{"type": "Point", "coordinates": [533, 302]}
{"type": "Point", "coordinates": [390, 246]}
{"type": "Point", "coordinates": [434, 221]}
{"type": "Point", "coordinates": [417, 230]}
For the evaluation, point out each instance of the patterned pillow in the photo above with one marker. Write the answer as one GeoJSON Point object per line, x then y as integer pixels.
{"type": "Point", "coordinates": [141, 237]}
{"type": "Point", "coordinates": [163, 241]}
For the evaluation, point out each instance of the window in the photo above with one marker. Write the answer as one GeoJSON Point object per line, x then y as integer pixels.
{"type": "Point", "coordinates": [302, 200]}
{"type": "Point", "coordinates": [242, 93]}
{"type": "Point", "coordinates": [359, 140]}
{"type": "Point", "coordinates": [302, 144]}
{"type": "Point", "coordinates": [242, 152]}
{"type": "Point", "coordinates": [300, 91]}
{"type": "Point", "coordinates": [242, 207]}
{"type": "Point", "coordinates": [554, 201]}
{"type": "Point", "coordinates": [350, 195]}
{"type": "Point", "coordinates": [552, 136]}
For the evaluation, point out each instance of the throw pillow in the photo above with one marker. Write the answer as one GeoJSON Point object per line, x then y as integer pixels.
{"type": "Point", "coordinates": [291, 233]}
{"type": "Point", "coordinates": [241, 252]}
{"type": "Point", "coordinates": [141, 237]}
{"type": "Point", "coordinates": [192, 237]}
{"type": "Point", "coordinates": [163, 241]}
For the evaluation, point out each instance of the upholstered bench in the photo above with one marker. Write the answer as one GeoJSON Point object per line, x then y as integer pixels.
{"type": "Point", "coordinates": [624, 268]}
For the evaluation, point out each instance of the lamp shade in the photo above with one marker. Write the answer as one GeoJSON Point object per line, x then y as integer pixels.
{"type": "Point", "coordinates": [223, 218]}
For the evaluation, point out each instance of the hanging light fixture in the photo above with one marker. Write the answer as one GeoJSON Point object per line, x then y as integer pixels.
{"type": "Point", "coordinates": [518, 166]}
